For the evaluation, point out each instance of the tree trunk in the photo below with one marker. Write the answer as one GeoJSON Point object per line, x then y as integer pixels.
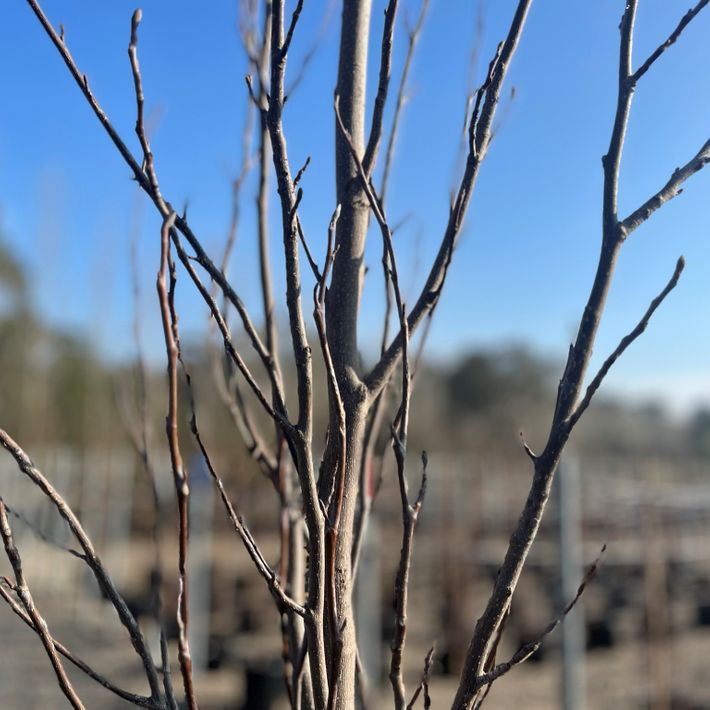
{"type": "Point", "coordinates": [342, 314]}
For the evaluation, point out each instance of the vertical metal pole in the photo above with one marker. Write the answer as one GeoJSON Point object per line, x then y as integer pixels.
{"type": "Point", "coordinates": [200, 562]}
{"type": "Point", "coordinates": [573, 631]}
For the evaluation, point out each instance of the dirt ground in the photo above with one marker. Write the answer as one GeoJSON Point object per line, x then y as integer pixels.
{"type": "Point", "coordinates": [616, 678]}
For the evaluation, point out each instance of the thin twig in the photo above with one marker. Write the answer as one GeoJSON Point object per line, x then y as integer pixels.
{"type": "Point", "coordinates": [480, 130]}
{"type": "Point", "coordinates": [303, 458]}
{"type": "Point", "coordinates": [139, 700]}
{"type": "Point", "coordinates": [625, 342]}
{"type": "Point", "coordinates": [684, 22]}
{"type": "Point", "coordinates": [180, 479]}
{"type": "Point", "coordinates": [146, 181]}
{"type": "Point", "coordinates": [528, 649]}
{"type": "Point", "coordinates": [291, 29]}
{"type": "Point", "coordinates": [424, 682]}
{"type": "Point", "coordinates": [671, 189]}
{"type": "Point", "coordinates": [262, 566]}
{"type": "Point", "coordinates": [378, 110]}
{"type": "Point", "coordinates": [40, 625]}
{"type": "Point", "coordinates": [137, 427]}
{"type": "Point", "coordinates": [90, 556]}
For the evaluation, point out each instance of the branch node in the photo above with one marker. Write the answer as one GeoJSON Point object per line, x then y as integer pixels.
{"type": "Point", "coordinates": [531, 455]}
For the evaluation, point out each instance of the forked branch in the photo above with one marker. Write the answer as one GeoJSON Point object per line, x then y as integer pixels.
{"type": "Point", "coordinates": [180, 479]}
{"type": "Point", "coordinates": [567, 410]}
{"type": "Point", "coordinates": [37, 621]}
{"type": "Point", "coordinates": [480, 130]}
{"type": "Point", "coordinates": [90, 556]}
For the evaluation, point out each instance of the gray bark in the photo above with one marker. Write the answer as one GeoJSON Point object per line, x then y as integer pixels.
{"type": "Point", "coordinates": [342, 315]}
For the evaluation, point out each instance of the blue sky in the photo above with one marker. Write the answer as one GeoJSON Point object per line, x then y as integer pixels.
{"type": "Point", "coordinates": [528, 254]}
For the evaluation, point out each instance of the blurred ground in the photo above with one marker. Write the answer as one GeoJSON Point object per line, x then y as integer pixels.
{"type": "Point", "coordinates": [646, 613]}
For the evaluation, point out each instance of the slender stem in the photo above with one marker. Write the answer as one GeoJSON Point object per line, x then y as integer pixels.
{"type": "Point", "coordinates": [180, 479]}
{"type": "Point", "coordinates": [38, 623]}
{"type": "Point", "coordinates": [480, 126]}
{"type": "Point", "coordinates": [91, 558]}
{"type": "Point", "coordinates": [139, 700]}
{"type": "Point", "coordinates": [302, 358]}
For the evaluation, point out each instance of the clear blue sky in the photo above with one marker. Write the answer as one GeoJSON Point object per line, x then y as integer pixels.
{"type": "Point", "coordinates": [527, 257]}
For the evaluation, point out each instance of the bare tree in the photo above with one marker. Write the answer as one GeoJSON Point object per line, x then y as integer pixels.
{"type": "Point", "coordinates": [324, 504]}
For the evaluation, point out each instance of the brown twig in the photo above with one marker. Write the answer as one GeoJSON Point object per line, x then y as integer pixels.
{"type": "Point", "coordinates": [423, 683]}
{"type": "Point", "coordinates": [40, 625]}
{"type": "Point", "coordinates": [180, 477]}
{"type": "Point", "coordinates": [479, 131]}
{"type": "Point", "coordinates": [90, 556]}
{"type": "Point", "coordinates": [283, 600]}
{"type": "Point", "coordinates": [474, 674]}
{"type": "Point", "coordinates": [145, 180]}
{"type": "Point", "coordinates": [413, 38]}
{"type": "Point", "coordinates": [139, 700]}
{"type": "Point", "coordinates": [625, 342]}
{"type": "Point", "coordinates": [684, 22]}
{"type": "Point", "coordinates": [302, 358]}
{"type": "Point", "coordinates": [528, 649]}
{"type": "Point", "coordinates": [410, 516]}
{"type": "Point", "coordinates": [378, 110]}
{"type": "Point", "coordinates": [135, 421]}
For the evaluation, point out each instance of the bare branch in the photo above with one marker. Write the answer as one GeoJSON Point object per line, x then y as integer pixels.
{"type": "Point", "coordinates": [414, 34]}
{"type": "Point", "coordinates": [424, 682]}
{"type": "Point", "coordinates": [670, 190]}
{"type": "Point", "coordinates": [527, 650]}
{"type": "Point", "coordinates": [179, 473]}
{"type": "Point", "coordinates": [145, 181]}
{"type": "Point", "coordinates": [288, 213]}
{"type": "Point", "coordinates": [685, 21]}
{"type": "Point", "coordinates": [139, 700]}
{"type": "Point", "coordinates": [579, 354]}
{"type": "Point", "coordinates": [262, 566]}
{"type": "Point", "coordinates": [625, 342]}
{"type": "Point", "coordinates": [90, 557]}
{"type": "Point", "coordinates": [40, 625]}
{"type": "Point", "coordinates": [283, 50]}
{"type": "Point", "coordinates": [302, 357]}
{"type": "Point", "coordinates": [569, 389]}
{"type": "Point", "coordinates": [378, 111]}
{"type": "Point", "coordinates": [135, 421]}
{"type": "Point", "coordinates": [410, 515]}
{"type": "Point", "coordinates": [279, 414]}
{"type": "Point", "coordinates": [480, 130]}
{"type": "Point", "coordinates": [147, 166]}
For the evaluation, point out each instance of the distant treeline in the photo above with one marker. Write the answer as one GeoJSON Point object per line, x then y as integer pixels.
{"type": "Point", "coordinates": [54, 389]}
